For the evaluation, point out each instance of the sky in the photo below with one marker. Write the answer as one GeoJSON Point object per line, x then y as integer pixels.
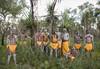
{"type": "Point", "coordinates": [60, 7]}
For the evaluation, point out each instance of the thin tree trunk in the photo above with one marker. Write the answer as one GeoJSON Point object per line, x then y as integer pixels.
{"type": "Point", "coordinates": [52, 21]}
{"type": "Point", "coordinates": [3, 33]}
{"type": "Point", "coordinates": [2, 39]}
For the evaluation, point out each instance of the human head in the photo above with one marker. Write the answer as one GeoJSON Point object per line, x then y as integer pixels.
{"type": "Point", "coordinates": [11, 33]}
{"type": "Point", "coordinates": [87, 32]}
{"type": "Point", "coordinates": [53, 32]}
{"type": "Point", "coordinates": [77, 33]}
{"type": "Point", "coordinates": [64, 30]}
{"type": "Point", "coordinates": [45, 30]}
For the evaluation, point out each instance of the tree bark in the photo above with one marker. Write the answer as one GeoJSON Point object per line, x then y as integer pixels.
{"type": "Point", "coordinates": [2, 39]}
{"type": "Point", "coordinates": [33, 28]}
{"type": "Point", "coordinates": [52, 21]}
{"type": "Point", "coordinates": [3, 33]}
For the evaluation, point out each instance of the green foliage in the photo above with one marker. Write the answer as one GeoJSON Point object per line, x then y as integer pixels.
{"type": "Point", "coordinates": [98, 26]}
{"type": "Point", "coordinates": [9, 7]}
{"type": "Point", "coordinates": [87, 15]}
{"type": "Point", "coordinates": [26, 23]}
{"type": "Point", "coordinates": [97, 12]}
{"type": "Point", "coordinates": [15, 10]}
{"type": "Point", "coordinates": [68, 22]}
{"type": "Point", "coordinates": [33, 58]}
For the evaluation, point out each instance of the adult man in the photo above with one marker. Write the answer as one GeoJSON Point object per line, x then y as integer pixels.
{"type": "Point", "coordinates": [65, 42]}
{"type": "Point", "coordinates": [39, 38]}
{"type": "Point", "coordinates": [59, 37]}
{"type": "Point", "coordinates": [54, 43]}
{"type": "Point", "coordinates": [89, 42]}
{"type": "Point", "coordinates": [59, 41]}
{"type": "Point", "coordinates": [23, 39]}
{"type": "Point", "coordinates": [11, 46]}
{"type": "Point", "coordinates": [45, 41]}
{"type": "Point", "coordinates": [77, 39]}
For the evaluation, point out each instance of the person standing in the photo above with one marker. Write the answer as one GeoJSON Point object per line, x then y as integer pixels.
{"type": "Point", "coordinates": [39, 39]}
{"type": "Point", "coordinates": [45, 41]}
{"type": "Point", "coordinates": [59, 41]}
{"type": "Point", "coordinates": [77, 41]}
{"type": "Point", "coordinates": [11, 46]}
{"type": "Point", "coordinates": [54, 43]}
{"type": "Point", "coordinates": [59, 37]}
{"type": "Point", "coordinates": [23, 39]}
{"type": "Point", "coordinates": [65, 42]}
{"type": "Point", "coordinates": [88, 42]}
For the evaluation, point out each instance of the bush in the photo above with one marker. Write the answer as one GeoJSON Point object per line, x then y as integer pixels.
{"type": "Point", "coordinates": [29, 58]}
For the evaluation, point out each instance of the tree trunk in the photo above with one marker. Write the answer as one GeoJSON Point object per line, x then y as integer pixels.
{"type": "Point", "coordinates": [52, 15]}
{"type": "Point", "coordinates": [33, 28]}
{"type": "Point", "coordinates": [3, 33]}
{"type": "Point", "coordinates": [2, 39]}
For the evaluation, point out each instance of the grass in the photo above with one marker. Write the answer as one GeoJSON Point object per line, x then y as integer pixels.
{"type": "Point", "coordinates": [28, 58]}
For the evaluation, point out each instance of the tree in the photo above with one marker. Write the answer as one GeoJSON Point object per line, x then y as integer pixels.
{"type": "Point", "coordinates": [68, 22]}
{"type": "Point", "coordinates": [97, 15]}
{"type": "Point", "coordinates": [87, 15]}
{"type": "Point", "coordinates": [26, 24]}
{"type": "Point", "coordinates": [7, 8]}
{"type": "Point", "coordinates": [51, 17]}
{"type": "Point", "coordinates": [4, 11]}
{"type": "Point", "coordinates": [33, 4]}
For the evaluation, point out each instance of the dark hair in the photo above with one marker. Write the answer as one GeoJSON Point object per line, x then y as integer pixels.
{"type": "Point", "coordinates": [87, 31]}
{"type": "Point", "coordinates": [53, 32]}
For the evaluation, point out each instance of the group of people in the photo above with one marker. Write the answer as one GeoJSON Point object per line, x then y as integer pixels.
{"type": "Point", "coordinates": [57, 42]}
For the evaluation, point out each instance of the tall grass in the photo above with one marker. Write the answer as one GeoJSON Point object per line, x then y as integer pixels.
{"type": "Point", "coordinates": [28, 58]}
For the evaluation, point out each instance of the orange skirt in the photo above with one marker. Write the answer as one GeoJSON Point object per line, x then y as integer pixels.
{"type": "Point", "coordinates": [78, 46]}
{"type": "Point", "coordinates": [12, 48]}
{"type": "Point", "coordinates": [54, 45]}
{"type": "Point", "coordinates": [65, 47]}
{"type": "Point", "coordinates": [89, 47]}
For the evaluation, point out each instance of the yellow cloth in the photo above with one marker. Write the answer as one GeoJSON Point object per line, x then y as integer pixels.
{"type": "Point", "coordinates": [78, 46]}
{"type": "Point", "coordinates": [39, 43]}
{"type": "Point", "coordinates": [59, 42]}
{"type": "Point", "coordinates": [65, 47]}
{"type": "Point", "coordinates": [45, 42]}
{"type": "Point", "coordinates": [54, 45]}
{"type": "Point", "coordinates": [12, 48]}
{"type": "Point", "coordinates": [88, 47]}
